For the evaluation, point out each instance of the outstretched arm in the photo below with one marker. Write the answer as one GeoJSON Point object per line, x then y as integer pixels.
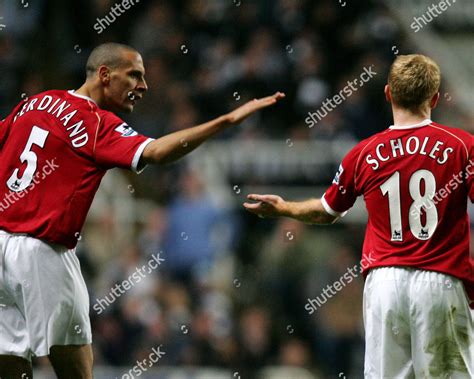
{"type": "Point", "coordinates": [309, 211]}
{"type": "Point", "coordinates": [171, 147]}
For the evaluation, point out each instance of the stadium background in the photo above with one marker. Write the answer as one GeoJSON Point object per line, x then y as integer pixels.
{"type": "Point", "coordinates": [228, 301]}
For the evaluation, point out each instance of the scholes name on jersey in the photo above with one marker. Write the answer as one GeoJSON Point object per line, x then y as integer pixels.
{"type": "Point", "coordinates": [77, 132]}
{"type": "Point", "coordinates": [400, 147]}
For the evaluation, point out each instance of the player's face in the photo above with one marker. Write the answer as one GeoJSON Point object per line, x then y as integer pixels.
{"type": "Point", "coordinates": [127, 84]}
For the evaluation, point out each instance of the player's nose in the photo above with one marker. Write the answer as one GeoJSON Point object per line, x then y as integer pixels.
{"type": "Point", "coordinates": [142, 87]}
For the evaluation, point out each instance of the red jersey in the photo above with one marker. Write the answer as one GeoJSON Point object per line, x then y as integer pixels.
{"type": "Point", "coordinates": [55, 148]}
{"type": "Point", "coordinates": [415, 181]}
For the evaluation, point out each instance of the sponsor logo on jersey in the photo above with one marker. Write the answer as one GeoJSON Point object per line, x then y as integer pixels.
{"type": "Point", "coordinates": [125, 130]}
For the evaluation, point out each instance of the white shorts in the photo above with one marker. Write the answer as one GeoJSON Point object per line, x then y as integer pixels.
{"type": "Point", "coordinates": [418, 324]}
{"type": "Point", "coordinates": [43, 297]}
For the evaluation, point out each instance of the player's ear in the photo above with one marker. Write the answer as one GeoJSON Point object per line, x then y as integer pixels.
{"type": "Point", "coordinates": [388, 95]}
{"type": "Point", "coordinates": [434, 101]}
{"type": "Point", "coordinates": [104, 74]}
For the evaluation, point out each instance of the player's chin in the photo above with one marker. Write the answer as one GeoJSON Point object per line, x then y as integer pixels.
{"type": "Point", "coordinates": [128, 108]}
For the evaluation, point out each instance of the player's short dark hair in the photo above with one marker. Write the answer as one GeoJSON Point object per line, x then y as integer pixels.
{"type": "Point", "coordinates": [413, 80]}
{"type": "Point", "coordinates": [109, 54]}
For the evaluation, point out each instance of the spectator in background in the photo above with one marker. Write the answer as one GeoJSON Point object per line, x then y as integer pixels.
{"type": "Point", "coordinates": [255, 339]}
{"type": "Point", "coordinates": [151, 237]}
{"type": "Point", "coordinates": [188, 244]}
{"type": "Point", "coordinates": [294, 353]}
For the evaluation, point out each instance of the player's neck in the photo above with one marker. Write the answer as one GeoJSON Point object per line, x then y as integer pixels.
{"type": "Point", "coordinates": [86, 90]}
{"type": "Point", "coordinates": [403, 117]}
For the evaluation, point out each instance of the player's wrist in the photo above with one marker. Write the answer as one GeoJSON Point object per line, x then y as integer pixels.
{"type": "Point", "coordinates": [226, 120]}
{"type": "Point", "coordinates": [284, 209]}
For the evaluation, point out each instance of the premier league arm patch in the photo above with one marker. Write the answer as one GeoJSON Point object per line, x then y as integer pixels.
{"type": "Point", "coordinates": [338, 175]}
{"type": "Point", "coordinates": [125, 130]}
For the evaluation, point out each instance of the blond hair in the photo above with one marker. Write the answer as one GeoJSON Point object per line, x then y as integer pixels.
{"type": "Point", "coordinates": [413, 80]}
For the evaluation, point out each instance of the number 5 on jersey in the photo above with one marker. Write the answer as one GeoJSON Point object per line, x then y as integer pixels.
{"type": "Point", "coordinates": [37, 137]}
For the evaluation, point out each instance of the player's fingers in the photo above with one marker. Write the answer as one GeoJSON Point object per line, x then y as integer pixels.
{"type": "Point", "coordinates": [279, 95]}
{"type": "Point", "coordinates": [261, 103]}
{"type": "Point", "coordinates": [271, 199]}
{"type": "Point", "coordinates": [276, 96]}
{"type": "Point", "coordinates": [252, 207]}
{"type": "Point", "coordinates": [263, 199]}
{"type": "Point", "coordinates": [266, 101]}
{"type": "Point", "coordinates": [269, 100]}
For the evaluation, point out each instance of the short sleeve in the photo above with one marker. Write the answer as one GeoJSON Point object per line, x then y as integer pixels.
{"type": "Point", "coordinates": [342, 193]}
{"type": "Point", "coordinates": [118, 145]}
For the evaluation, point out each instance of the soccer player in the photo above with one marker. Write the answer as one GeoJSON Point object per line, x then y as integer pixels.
{"type": "Point", "coordinates": [415, 177]}
{"type": "Point", "coordinates": [55, 148]}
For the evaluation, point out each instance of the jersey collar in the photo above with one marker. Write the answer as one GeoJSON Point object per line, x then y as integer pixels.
{"type": "Point", "coordinates": [425, 122]}
{"type": "Point", "coordinates": [73, 93]}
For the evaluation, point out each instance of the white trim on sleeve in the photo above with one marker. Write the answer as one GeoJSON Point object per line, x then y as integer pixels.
{"type": "Point", "coordinates": [329, 210]}
{"type": "Point", "coordinates": [137, 156]}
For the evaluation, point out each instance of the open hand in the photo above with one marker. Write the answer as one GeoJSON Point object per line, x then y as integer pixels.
{"type": "Point", "coordinates": [266, 205]}
{"type": "Point", "coordinates": [242, 112]}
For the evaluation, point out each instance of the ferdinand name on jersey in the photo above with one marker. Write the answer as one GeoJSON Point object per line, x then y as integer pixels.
{"type": "Point", "coordinates": [62, 110]}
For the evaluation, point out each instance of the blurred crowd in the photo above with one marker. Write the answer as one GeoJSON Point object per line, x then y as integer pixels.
{"type": "Point", "coordinates": [227, 295]}
{"type": "Point", "coordinates": [232, 289]}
